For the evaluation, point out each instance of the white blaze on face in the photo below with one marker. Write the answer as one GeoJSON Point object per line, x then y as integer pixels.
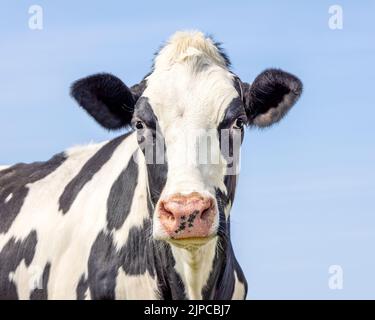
{"type": "Point", "coordinates": [189, 92]}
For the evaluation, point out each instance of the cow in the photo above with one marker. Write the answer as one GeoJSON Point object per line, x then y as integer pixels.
{"type": "Point", "coordinates": [139, 217]}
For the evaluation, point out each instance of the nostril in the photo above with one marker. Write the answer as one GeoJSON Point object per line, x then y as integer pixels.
{"type": "Point", "coordinates": [186, 211]}
{"type": "Point", "coordinates": [208, 208]}
{"type": "Point", "coordinates": [205, 213]}
{"type": "Point", "coordinates": [165, 212]}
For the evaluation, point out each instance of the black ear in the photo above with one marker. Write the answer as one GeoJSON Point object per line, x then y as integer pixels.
{"type": "Point", "coordinates": [270, 96]}
{"type": "Point", "coordinates": [106, 98]}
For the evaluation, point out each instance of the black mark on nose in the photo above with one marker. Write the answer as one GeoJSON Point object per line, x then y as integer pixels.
{"type": "Point", "coordinates": [181, 227]}
{"type": "Point", "coordinates": [192, 217]}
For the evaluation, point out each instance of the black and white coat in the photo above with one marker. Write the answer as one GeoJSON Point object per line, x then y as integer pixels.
{"type": "Point", "coordinates": [83, 225]}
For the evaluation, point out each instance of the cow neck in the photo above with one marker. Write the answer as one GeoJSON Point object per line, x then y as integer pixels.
{"type": "Point", "coordinates": [194, 274]}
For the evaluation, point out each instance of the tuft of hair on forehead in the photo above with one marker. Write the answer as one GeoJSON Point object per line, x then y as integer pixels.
{"type": "Point", "coordinates": [192, 47]}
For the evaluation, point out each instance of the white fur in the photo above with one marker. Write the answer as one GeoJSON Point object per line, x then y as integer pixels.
{"type": "Point", "coordinates": [239, 289]}
{"type": "Point", "coordinates": [194, 266]}
{"type": "Point", "coordinates": [22, 275]}
{"type": "Point", "coordinates": [185, 44]}
{"type": "Point", "coordinates": [9, 197]}
{"type": "Point", "coordinates": [3, 167]}
{"type": "Point", "coordinates": [133, 287]}
{"type": "Point", "coordinates": [78, 150]}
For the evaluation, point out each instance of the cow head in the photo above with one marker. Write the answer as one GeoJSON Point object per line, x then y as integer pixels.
{"type": "Point", "coordinates": [190, 115]}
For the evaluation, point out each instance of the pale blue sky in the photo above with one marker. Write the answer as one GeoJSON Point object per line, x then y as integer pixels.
{"type": "Point", "coordinates": [306, 195]}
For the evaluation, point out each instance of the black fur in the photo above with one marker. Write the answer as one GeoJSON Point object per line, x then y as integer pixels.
{"type": "Point", "coordinates": [103, 267]}
{"type": "Point", "coordinates": [42, 293]}
{"type": "Point", "coordinates": [11, 255]}
{"type": "Point", "coordinates": [220, 284]}
{"type": "Point", "coordinates": [138, 89]}
{"type": "Point", "coordinates": [150, 139]}
{"type": "Point", "coordinates": [106, 98]}
{"type": "Point", "coordinates": [14, 180]}
{"type": "Point", "coordinates": [82, 287]}
{"type": "Point", "coordinates": [170, 284]}
{"type": "Point", "coordinates": [157, 177]}
{"type": "Point", "coordinates": [235, 109]}
{"type": "Point", "coordinates": [143, 111]}
{"type": "Point", "coordinates": [138, 255]}
{"type": "Point", "coordinates": [121, 196]}
{"type": "Point", "coordinates": [268, 90]}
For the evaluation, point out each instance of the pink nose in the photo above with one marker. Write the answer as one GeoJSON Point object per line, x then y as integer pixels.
{"type": "Point", "coordinates": [187, 216]}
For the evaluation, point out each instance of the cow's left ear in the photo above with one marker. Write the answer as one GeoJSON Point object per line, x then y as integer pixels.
{"type": "Point", "coordinates": [106, 98]}
{"type": "Point", "coordinates": [270, 96]}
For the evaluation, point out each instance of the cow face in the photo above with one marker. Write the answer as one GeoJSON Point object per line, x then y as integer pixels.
{"type": "Point", "coordinates": [189, 115]}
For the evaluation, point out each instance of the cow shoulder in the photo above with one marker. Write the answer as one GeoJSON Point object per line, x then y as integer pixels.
{"type": "Point", "coordinates": [14, 182]}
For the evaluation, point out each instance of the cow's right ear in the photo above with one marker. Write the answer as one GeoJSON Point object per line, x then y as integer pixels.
{"type": "Point", "coordinates": [106, 98]}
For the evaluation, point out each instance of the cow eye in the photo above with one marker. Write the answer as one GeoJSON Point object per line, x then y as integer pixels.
{"type": "Point", "coordinates": [239, 123]}
{"type": "Point", "coordinates": [139, 125]}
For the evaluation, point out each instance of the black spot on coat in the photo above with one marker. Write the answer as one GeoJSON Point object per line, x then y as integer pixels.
{"type": "Point", "coordinates": [170, 284]}
{"type": "Point", "coordinates": [135, 257]}
{"type": "Point", "coordinates": [42, 293]}
{"type": "Point", "coordinates": [121, 195]}
{"type": "Point", "coordinates": [14, 181]}
{"type": "Point", "coordinates": [90, 168]}
{"type": "Point", "coordinates": [103, 268]}
{"type": "Point", "coordinates": [82, 287]}
{"type": "Point", "coordinates": [11, 255]}
{"type": "Point", "coordinates": [139, 254]}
